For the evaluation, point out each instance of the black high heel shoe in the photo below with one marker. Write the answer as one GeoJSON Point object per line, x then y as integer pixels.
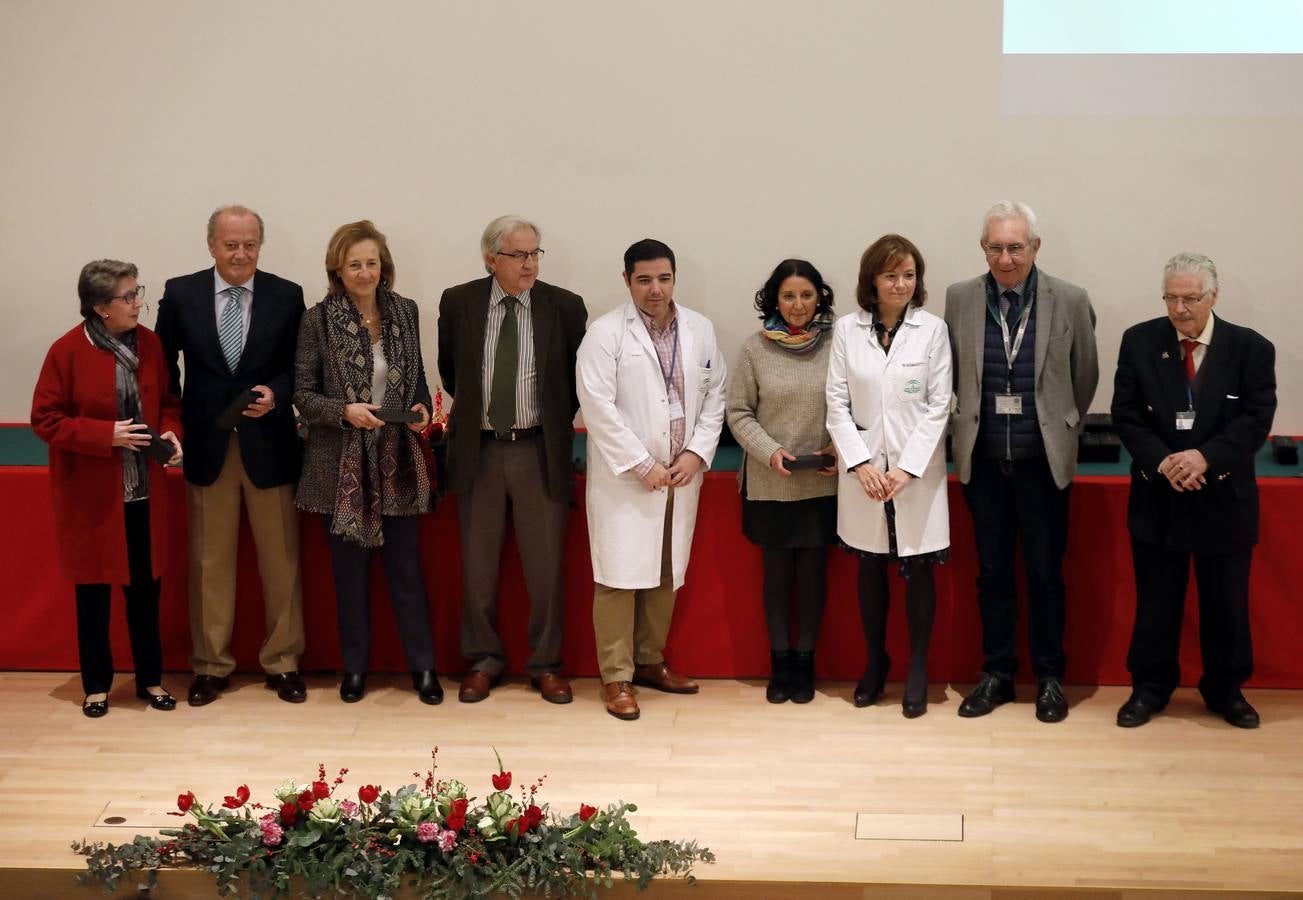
{"type": "Point", "coordinates": [94, 709]}
{"type": "Point", "coordinates": [352, 687]}
{"type": "Point", "coordinates": [870, 688]}
{"type": "Point", "coordinates": [427, 687]}
{"type": "Point", "coordinates": [163, 702]}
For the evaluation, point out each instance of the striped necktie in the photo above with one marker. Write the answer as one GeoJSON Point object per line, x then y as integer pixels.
{"type": "Point", "coordinates": [230, 330]}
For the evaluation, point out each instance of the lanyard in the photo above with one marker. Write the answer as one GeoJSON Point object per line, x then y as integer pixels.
{"type": "Point", "coordinates": [1011, 352]}
{"type": "Point", "coordinates": [674, 359]}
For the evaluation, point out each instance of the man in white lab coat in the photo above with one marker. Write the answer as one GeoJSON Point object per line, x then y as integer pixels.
{"type": "Point", "coordinates": [650, 379]}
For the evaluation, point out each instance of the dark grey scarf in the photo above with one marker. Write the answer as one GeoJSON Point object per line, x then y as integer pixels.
{"type": "Point", "coordinates": [135, 468]}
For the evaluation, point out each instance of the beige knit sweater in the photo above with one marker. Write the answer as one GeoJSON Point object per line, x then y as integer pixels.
{"type": "Point", "coordinates": [776, 399]}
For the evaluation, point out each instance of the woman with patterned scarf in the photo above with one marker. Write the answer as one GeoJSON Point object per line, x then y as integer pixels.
{"type": "Point", "coordinates": [104, 385]}
{"type": "Point", "coordinates": [776, 412]}
{"type": "Point", "coordinates": [358, 375]}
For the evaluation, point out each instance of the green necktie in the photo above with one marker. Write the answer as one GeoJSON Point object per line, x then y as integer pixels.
{"type": "Point", "coordinates": [502, 390]}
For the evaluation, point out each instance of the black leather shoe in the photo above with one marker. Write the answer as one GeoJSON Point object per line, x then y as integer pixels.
{"type": "Point", "coordinates": [1236, 711]}
{"type": "Point", "coordinates": [802, 672]}
{"type": "Point", "coordinates": [427, 685]}
{"type": "Point", "coordinates": [991, 691]}
{"type": "Point", "coordinates": [288, 686]}
{"type": "Point", "coordinates": [779, 689]}
{"type": "Point", "coordinates": [1051, 705]}
{"type": "Point", "coordinates": [164, 702]}
{"type": "Point", "coordinates": [94, 709]}
{"type": "Point", "coordinates": [1137, 711]}
{"type": "Point", "coordinates": [206, 688]}
{"type": "Point", "coordinates": [352, 687]}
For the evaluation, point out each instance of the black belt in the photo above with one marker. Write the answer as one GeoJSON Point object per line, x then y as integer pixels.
{"type": "Point", "coordinates": [514, 434]}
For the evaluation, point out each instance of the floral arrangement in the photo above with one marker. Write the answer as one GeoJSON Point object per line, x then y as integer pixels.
{"type": "Point", "coordinates": [432, 836]}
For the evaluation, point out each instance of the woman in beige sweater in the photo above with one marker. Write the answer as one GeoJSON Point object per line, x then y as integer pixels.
{"type": "Point", "coordinates": [776, 411]}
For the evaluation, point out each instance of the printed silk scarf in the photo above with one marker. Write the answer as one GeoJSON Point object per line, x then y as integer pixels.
{"type": "Point", "coordinates": [381, 471]}
{"type": "Point", "coordinates": [778, 331]}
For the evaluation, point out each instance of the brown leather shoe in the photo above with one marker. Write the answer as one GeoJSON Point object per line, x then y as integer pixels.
{"type": "Point", "coordinates": [662, 677]}
{"type": "Point", "coordinates": [553, 686]}
{"type": "Point", "coordinates": [288, 686]}
{"type": "Point", "coordinates": [620, 701]}
{"type": "Point", "coordinates": [206, 688]}
{"type": "Point", "coordinates": [475, 686]}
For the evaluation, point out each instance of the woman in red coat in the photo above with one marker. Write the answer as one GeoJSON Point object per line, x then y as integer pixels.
{"type": "Point", "coordinates": [99, 379]}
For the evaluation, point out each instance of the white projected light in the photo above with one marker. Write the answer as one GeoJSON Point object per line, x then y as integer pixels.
{"type": "Point", "coordinates": [1153, 57]}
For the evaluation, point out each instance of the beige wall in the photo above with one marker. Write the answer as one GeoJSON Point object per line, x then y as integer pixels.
{"type": "Point", "coordinates": [740, 132]}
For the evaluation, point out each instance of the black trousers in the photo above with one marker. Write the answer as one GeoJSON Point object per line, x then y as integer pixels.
{"type": "Point", "coordinates": [401, 554]}
{"type": "Point", "coordinates": [94, 604]}
{"type": "Point", "coordinates": [1009, 503]}
{"type": "Point", "coordinates": [1225, 645]}
{"type": "Point", "coordinates": [795, 576]}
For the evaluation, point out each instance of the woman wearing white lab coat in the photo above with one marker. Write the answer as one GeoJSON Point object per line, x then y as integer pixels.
{"type": "Point", "coordinates": [626, 400]}
{"type": "Point", "coordinates": [889, 387]}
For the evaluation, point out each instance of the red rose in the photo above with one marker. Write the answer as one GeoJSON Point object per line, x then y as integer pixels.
{"type": "Point", "coordinates": [533, 816]}
{"type": "Point", "coordinates": [306, 801]}
{"type": "Point", "coordinates": [502, 781]}
{"type": "Point", "coordinates": [368, 793]}
{"type": "Point", "coordinates": [241, 797]}
{"type": "Point", "coordinates": [320, 790]}
{"type": "Point", "coordinates": [185, 801]}
{"type": "Point", "coordinates": [289, 813]}
{"type": "Point", "coordinates": [586, 812]}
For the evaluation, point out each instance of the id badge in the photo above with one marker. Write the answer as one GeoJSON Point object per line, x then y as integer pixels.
{"type": "Point", "coordinates": [1008, 404]}
{"type": "Point", "coordinates": [676, 409]}
{"type": "Point", "coordinates": [1185, 420]}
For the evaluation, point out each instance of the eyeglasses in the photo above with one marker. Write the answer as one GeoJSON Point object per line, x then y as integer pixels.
{"type": "Point", "coordinates": [521, 255]}
{"type": "Point", "coordinates": [1015, 251]}
{"type": "Point", "coordinates": [130, 297]}
{"type": "Point", "coordinates": [1187, 299]}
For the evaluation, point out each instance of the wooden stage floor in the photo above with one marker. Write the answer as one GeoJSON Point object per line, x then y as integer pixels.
{"type": "Point", "coordinates": [999, 807]}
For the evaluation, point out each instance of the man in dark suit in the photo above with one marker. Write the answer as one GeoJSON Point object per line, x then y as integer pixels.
{"type": "Point", "coordinates": [507, 356]}
{"type": "Point", "coordinates": [237, 328]}
{"type": "Point", "coordinates": [1193, 401]}
{"type": "Point", "coordinates": [1025, 370]}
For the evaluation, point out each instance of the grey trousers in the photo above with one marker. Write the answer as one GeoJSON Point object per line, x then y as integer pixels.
{"type": "Point", "coordinates": [511, 477]}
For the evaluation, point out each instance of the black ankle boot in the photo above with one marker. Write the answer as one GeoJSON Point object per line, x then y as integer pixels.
{"type": "Point", "coordinates": [802, 677]}
{"type": "Point", "coordinates": [780, 676]}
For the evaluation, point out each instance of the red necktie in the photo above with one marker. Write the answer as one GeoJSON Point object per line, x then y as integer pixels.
{"type": "Point", "coordinates": [1189, 359]}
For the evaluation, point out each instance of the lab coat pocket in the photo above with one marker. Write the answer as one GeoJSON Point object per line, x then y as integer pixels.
{"type": "Point", "coordinates": [911, 383]}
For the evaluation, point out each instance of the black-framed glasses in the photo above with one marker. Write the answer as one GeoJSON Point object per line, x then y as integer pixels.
{"type": "Point", "coordinates": [521, 255]}
{"type": "Point", "coordinates": [130, 297]}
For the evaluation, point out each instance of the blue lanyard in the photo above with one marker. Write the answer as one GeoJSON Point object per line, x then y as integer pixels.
{"type": "Point", "coordinates": [674, 359]}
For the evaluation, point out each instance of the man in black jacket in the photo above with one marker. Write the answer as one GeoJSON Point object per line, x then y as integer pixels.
{"type": "Point", "coordinates": [237, 328]}
{"type": "Point", "coordinates": [507, 356]}
{"type": "Point", "coordinates": [1193, 401]}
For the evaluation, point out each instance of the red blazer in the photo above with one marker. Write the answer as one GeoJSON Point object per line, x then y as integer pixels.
{"type": "Point", "coordinates": [73, 410]}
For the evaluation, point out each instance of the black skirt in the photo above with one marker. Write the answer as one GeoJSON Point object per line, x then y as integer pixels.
{"type": "Point", "coordinates": [790, 524]}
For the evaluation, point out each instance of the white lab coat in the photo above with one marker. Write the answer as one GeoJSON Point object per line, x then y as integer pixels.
{"type": "Point", "coordinates": [891, 410]}
{"type": "Point", "coordinates": [626, 412]}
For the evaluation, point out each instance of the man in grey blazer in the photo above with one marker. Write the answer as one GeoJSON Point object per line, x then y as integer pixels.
{"type": "Point", "coordinates": [1025, 371]}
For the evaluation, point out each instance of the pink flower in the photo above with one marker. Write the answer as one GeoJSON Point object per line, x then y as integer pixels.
{"type": "Point", "coordinates": [348, 808]}
{"type": "Point", "coordinates": [427, 832]}
{"type": "Point", "coordinates": [263, 821]}
{"type": "Point", "coordinates": [271, 834]}
{"type": "Point", "coordinates": [447, 840]}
